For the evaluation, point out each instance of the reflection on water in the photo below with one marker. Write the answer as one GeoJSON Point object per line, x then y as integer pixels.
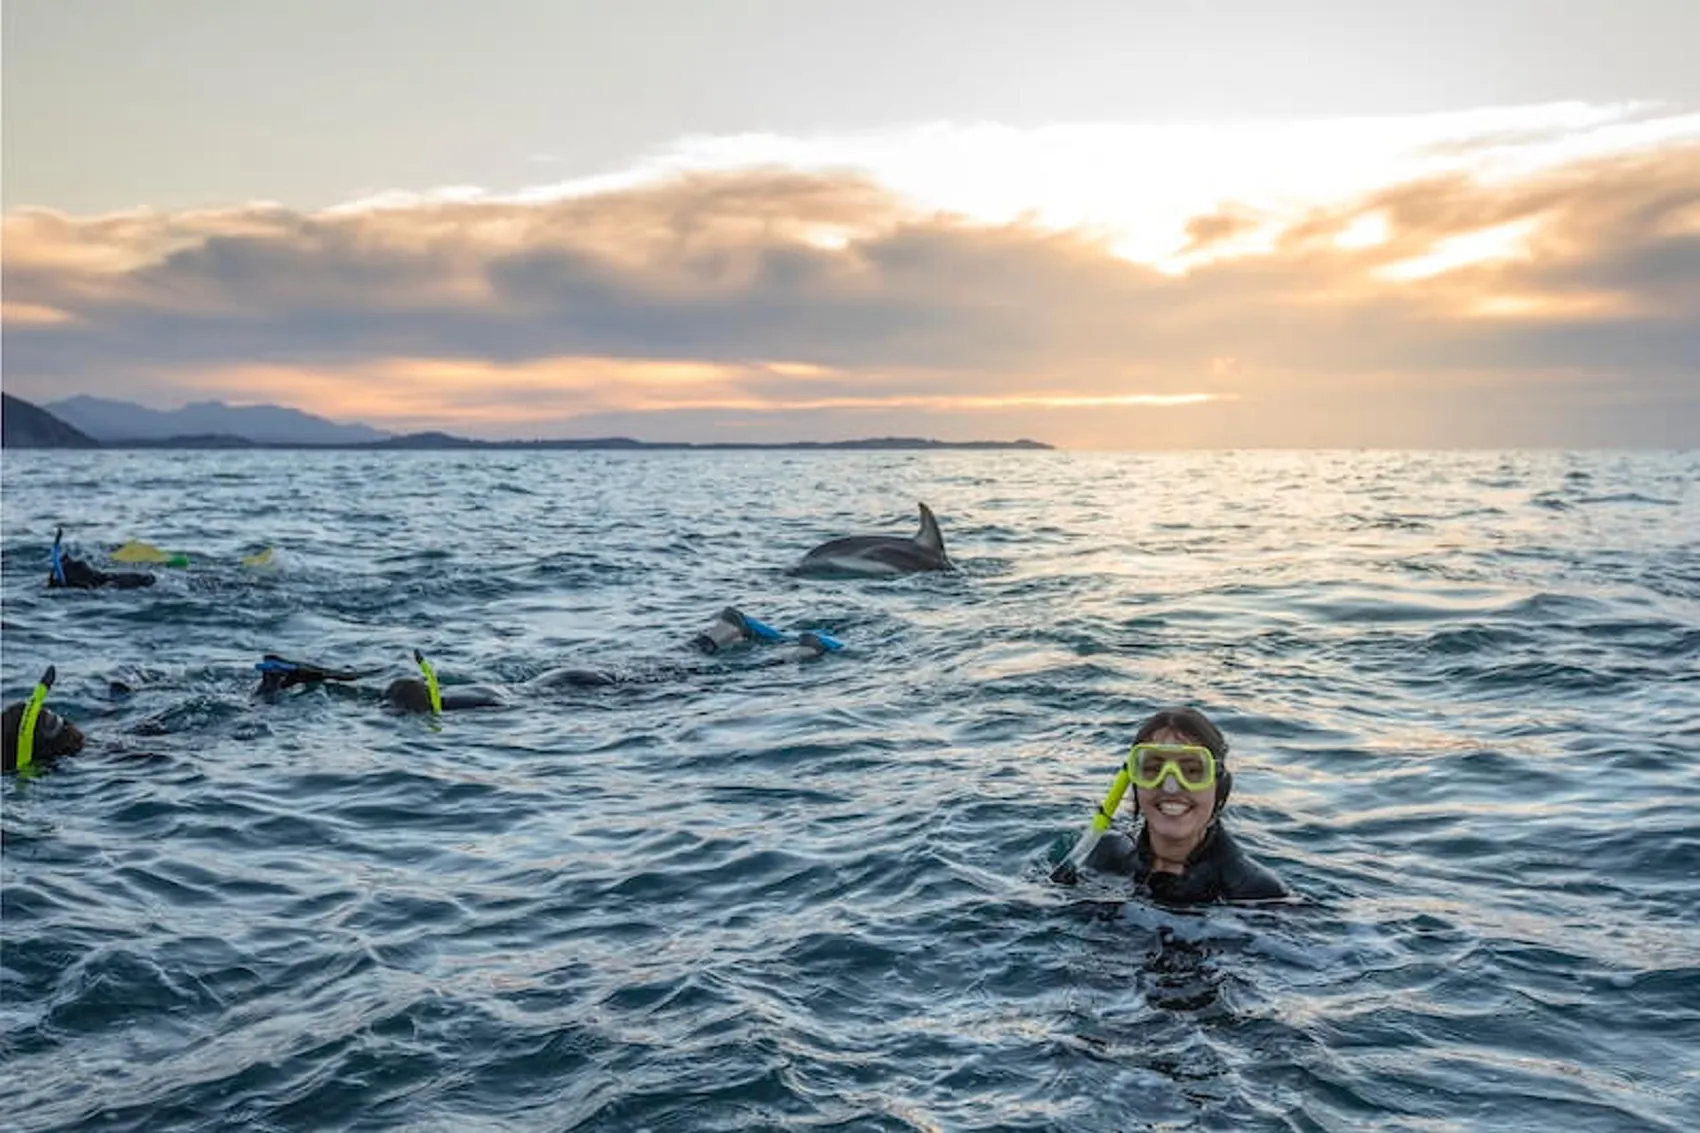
{"type": "Point", "coordinates": [1463, 692]}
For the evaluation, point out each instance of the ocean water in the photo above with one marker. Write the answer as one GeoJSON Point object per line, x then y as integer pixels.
{"type": "Point", "coordinates": [1463, 693]}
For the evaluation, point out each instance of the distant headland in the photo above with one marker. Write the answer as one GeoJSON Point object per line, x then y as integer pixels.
{"type": "Point", "coordinates": [84, 422]}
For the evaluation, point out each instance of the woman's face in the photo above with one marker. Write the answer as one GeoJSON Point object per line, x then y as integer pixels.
{"type": "Point", "coordinates": [1172, 813]}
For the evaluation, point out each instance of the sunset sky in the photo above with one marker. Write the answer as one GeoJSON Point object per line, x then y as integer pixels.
{"type": "Point", "coordinates": [1105, 225]}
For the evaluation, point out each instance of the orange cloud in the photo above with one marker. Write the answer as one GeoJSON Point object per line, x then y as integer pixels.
{"type": "Point", "coordinates": [774, 292]}
{"type": "Point", "coordinates": [31, 314]}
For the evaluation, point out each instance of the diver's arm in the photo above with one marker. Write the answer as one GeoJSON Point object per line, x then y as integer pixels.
{"type": "Point", "coordinates": [1115, 852]}
{"type": "Point", "coordinates": [573, 678]}
{"type": "Point", "coordinates": [789, 655]}
{"type": "Point", "coordinates": [1243, 879]}
{"type": "Point", "coordinates": [1254, 882]}
{"type": "Point", "coordinates": [472, 696]}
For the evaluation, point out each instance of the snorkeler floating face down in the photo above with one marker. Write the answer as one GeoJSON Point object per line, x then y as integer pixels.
{"type": "Point", "coordinates": [422, 694]}
{"type": "Point", "coordinates": [73, 574]}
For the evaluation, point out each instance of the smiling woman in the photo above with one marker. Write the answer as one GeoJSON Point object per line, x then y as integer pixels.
{"type": "Point", "coordinates": [1182, 854]}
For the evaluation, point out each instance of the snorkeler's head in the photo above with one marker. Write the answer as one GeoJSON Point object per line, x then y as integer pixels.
{"type": "Point", "coordinates": [1189, 725]}
{"type": "Point", "coordinates": [407, 694]}
{"type": "Point", "coordinates": [729, 628]}
{"type": "Point", "coordinates": [54, 736]}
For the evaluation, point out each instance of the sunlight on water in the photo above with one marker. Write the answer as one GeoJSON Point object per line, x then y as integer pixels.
{"type": "Point", "coordinates": [1463, 691]}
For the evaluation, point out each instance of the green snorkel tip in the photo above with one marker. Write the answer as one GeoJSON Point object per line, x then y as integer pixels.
{"type": "Point", "coordinates": [430, 683]}
{"type": "Point", "coordinates": [26, 726]}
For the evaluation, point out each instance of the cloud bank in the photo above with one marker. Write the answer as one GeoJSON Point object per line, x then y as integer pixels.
{"type": "Point", "coordinates": [1525, 278]}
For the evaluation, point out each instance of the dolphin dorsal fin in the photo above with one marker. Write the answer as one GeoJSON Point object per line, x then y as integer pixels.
{"type": "Point", "coordinates": [929, 536]}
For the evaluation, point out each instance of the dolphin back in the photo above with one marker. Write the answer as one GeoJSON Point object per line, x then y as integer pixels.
{"type": "Point", "coordinates": [881, 555]}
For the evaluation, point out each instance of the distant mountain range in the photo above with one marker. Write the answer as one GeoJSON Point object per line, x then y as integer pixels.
{"type": "Point", "coordinates": [29, 426]}
{"type": "Point", "coordinates": [93, 422]}
{"type": "Point", "coordinates": [110, 421]}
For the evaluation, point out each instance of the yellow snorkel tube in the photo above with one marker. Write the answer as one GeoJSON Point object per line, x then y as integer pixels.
{"type": "Point", "coordinates": [26, 726]}
{"type": "Point", "coordinates": [430, 683]}
{"type": "Point", "coordinates": [1068, 872]}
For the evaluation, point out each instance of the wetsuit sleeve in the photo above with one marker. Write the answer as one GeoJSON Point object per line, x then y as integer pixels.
{"type": "Point", "coordinates": [471, 696]}
{"type": "Point", "coordinates": [1114, 853]}
{"type": "Point", "coordinates": [1246, 880]}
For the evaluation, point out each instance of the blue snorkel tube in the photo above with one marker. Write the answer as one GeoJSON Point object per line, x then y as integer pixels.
{"type": "Point", "coordinates": [732, 625]}
{"type": "Point", "coordinates": [761, 631]}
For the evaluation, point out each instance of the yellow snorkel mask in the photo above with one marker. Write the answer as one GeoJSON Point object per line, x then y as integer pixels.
{"type": "Point", "coordinates": [1192, 765]}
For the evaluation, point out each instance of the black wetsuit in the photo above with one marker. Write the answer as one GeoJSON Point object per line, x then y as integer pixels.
{"type": "Point", "coordinates": [79, 575]}
{"type": "Point", "coordinates": [1217, 870]}
{"type": "Point", "coordinates": [278, 673]}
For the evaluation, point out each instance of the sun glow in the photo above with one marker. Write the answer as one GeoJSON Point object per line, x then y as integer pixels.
{"type": "Point", "coordinates": [1368, 231]}
{"type": "Point", "coordinates": [1501, 242]}
{"type": "Point", "coordinates": [429, 393]}
{"type": "Point", "coordinates": [1138, 187]}
{"type": "Point", "coordinates": [1547, 307]}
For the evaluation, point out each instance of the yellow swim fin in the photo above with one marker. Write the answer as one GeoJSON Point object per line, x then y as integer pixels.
{"type": "Point", "coordinates": [136, 551]}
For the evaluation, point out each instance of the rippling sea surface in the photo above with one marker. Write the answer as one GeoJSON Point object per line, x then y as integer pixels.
{"type": "Point", "coordinates": [1463, 693]}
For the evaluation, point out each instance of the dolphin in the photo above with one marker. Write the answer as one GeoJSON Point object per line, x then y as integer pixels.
{"type": "Point", "coordinates": [880, 556]}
